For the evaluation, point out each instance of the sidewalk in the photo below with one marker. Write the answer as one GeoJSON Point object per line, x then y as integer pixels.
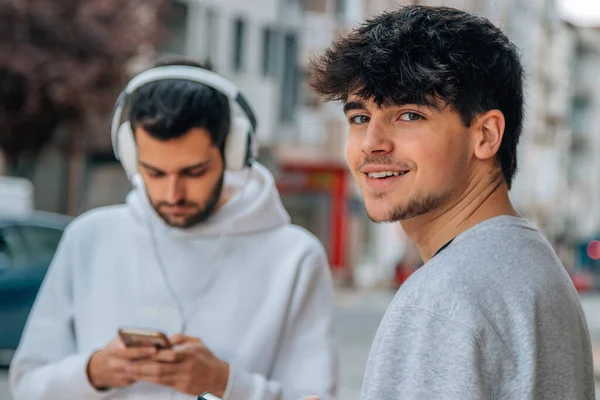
{"type": "Point", "coordinates": [359, 313]}
{"type": "Point", "coordinates": [591, 308]}
{"type": "Point", "coordinates": [596, 355]}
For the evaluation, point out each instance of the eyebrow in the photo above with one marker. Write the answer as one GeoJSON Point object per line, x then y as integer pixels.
{"type": "Point", "coordinates": [354, 105]}
{"type": "Point", "coordinates": [199, 165]}
{"type": "Point", "coordinates": [359, 105]}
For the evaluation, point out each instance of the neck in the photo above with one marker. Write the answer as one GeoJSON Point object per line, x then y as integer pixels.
{"type": "Point", "coordinates": [483, 201]}
{"type": "Point", "coordinates": [226, 195]}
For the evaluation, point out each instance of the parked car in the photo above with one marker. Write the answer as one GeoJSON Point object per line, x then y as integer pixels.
{"type": "Point", "coordinates": [28, 242]}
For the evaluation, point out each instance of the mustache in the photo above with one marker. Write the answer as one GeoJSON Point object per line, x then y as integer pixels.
{"type": "Point", "coordinates": [385, 160]}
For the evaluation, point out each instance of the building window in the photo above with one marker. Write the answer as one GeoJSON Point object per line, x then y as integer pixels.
{"type": "Point", "coordinates": [580, 114]}
{"type": "Point", "coordinates": [211, 36]}
{"type": "Point", "coordinates": [309, 98]}
{"type": "Point", "coordinates": [238, 45]}
{"type": "Point", "coordinates": [176, 23]}
{"type": "Point", "coordinates": [268, 65]}
{"type": "Point", "coordinates": [316, 6]}
{"type": "Point", "coordinates": [291, 78]}
{"type": "Point", "coordinates": [341, 7]}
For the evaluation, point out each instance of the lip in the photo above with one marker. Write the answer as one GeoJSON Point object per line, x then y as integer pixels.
{"type": "Point", "coordinates": [177, 210]}
{"type": "Point", "coordinates": [369, 169]}
{"type": "Point", "coordinates": [383, 184]}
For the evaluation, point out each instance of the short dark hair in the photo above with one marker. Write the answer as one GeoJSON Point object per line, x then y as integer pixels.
{"type": "Point", "coordinates": [168, 109]}
{"type": "Point", "coordinates": [421, 55]}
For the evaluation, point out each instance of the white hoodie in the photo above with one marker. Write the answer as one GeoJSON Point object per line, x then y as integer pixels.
{"type": "Point", "coordinates": [254, 288]}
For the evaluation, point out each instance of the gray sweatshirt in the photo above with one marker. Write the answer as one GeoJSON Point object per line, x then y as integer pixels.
{"type": "Point", "coordinates": [493, 316]}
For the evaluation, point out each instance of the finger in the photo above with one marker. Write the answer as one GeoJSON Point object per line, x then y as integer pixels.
{"type": "Point", "coordinates": [117, 365]}
{"type": "Point", "coordinates": [158, 371]}
{"type": "Point", "coordinates": [178, 339]}
{"type": "Point", "coordinates": [134, 353]}
{"type": "Point", "coordinates": [190, 348]}
{"type": "Point", "coordinates": [168, 356]}
{"type": "Point", "coordinates": [115, 345]}
{"type": "Point", "coordinates": [118, 369]}
{"type": "Point", "coordinates": [310, 398]}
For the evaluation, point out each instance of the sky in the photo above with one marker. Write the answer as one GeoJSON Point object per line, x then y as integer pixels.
{"type": "Point", "coordinates": [581, 12]}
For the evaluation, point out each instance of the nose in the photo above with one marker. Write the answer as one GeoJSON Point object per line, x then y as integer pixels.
{"type": "Point", "coordinates": [175, 190]}
{"type": "Point", "coordinates": [376, 141]}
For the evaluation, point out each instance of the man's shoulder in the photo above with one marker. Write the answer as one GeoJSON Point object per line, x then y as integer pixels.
{"type": "Point", "coordinates": [489, 271]}
{"type": "Point", "coordinates": [96, 219]}
{"type": "Point", "coordinates": [294, 236]}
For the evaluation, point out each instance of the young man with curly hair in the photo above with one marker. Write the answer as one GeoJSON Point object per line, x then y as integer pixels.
{"type": "Point", "coordinates": [434, 98]}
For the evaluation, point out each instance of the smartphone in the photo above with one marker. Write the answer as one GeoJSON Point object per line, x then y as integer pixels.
{"type": "Point", "coordinates": [143, 337]}
{"type": "Point", "coordinates": [208, 396]}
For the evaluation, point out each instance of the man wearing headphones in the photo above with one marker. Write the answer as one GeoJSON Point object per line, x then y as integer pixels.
{"type": "Point", "coordinates": [201, 260]}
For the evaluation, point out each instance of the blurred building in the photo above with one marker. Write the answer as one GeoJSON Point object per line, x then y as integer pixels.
{"type": "Point", "coordinates": [557, 183]}
{"type": "Point", "coordinates": [546, 44]}
{"type": "Point", "coordinates": [315, 183]}
{"type": "Point", "coordinates": [265, 47]}
{"type": "Point", "coordinates": [583, 220]}
{"type": "Point", "coordinates": [254, 43]}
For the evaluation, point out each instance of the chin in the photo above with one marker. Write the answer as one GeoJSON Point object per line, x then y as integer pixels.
{"type": "Point", "coordinates": [176, 221]}
{"type": "Point", "coordinates": [379, 211]}
{"type": "Point", "coordinates": [378, 219]}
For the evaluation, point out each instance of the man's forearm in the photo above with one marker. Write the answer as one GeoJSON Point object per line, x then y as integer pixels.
{"type": "Point", "coordinates": [65, 379]}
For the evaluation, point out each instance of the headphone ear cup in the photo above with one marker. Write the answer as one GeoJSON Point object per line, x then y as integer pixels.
{"type": "Point", "coordinates": [127, 149]}
{"type": "Point", "coordinates": [237, 150]}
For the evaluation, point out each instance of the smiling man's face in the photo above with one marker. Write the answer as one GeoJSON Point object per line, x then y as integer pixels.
{"type": "Point", "coordinates": [408, 160]}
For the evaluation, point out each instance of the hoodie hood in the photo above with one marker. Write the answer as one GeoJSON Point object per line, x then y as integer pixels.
{"type": "Point", "coordinates": [254, 206]}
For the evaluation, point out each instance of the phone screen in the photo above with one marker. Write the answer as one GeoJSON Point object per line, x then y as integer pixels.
{"type": "Point", "coordinates": [142, 337]}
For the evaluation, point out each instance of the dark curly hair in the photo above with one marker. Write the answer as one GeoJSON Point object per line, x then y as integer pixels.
{"type": "Point", "coordinates": [421, 55]}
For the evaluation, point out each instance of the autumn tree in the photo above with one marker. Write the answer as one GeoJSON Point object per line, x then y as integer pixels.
{"type": "Point", "coordinates": [62, 62]}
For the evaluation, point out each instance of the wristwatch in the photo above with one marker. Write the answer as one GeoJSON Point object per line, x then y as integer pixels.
{"type": "Point", "coordinates": [208, 396]}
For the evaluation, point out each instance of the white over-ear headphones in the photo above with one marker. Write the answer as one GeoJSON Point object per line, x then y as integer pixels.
{"type": "Point", "coordinates": [239, 150]}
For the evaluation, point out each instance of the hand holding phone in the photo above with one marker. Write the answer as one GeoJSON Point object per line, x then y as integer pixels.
{"type": "Point", "coordinates": [189, 367]}
{"type": "Point", "coordinates": [107, 368]}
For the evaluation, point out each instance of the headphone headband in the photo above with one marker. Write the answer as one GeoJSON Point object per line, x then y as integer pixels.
{"type": "Point", "coordinates": [180, 72]}
{"type": "Point", "coordinates": [184, 72]}
{"type": "Point", "coordinates": [239, 146]}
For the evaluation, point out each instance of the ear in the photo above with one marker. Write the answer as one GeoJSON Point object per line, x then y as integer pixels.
{"type": "Point", "coordinates": [489, 132]}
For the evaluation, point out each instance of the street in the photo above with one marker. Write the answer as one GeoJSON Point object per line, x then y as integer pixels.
{"type": "Point", "coordinates": [359, 314]}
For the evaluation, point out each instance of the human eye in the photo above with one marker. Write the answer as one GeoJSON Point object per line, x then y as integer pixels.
{"type": "Point", "coordinates": [196, 173]}
{"type": "Point", "coordinates": [410, 116]}
{"type": "Point", "coordinates": [155, 174]}
{"type": "Point", "coordinates": [358, 119]}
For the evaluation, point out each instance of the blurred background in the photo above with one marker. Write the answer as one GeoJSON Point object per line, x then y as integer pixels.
{"type": "Point", "coordinates": [62, 64]}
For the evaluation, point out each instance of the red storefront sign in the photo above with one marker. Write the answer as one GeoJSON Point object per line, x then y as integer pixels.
{"type": "Point", "coordinates": [324, 178]}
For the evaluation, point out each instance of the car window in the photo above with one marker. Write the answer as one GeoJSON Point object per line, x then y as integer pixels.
{"type": "Point", "coordinates": [42, 241]}
{"type": "Point", "coordinates": [13, 250]}
{"type": "Point", "coordinates": [5, 260]}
